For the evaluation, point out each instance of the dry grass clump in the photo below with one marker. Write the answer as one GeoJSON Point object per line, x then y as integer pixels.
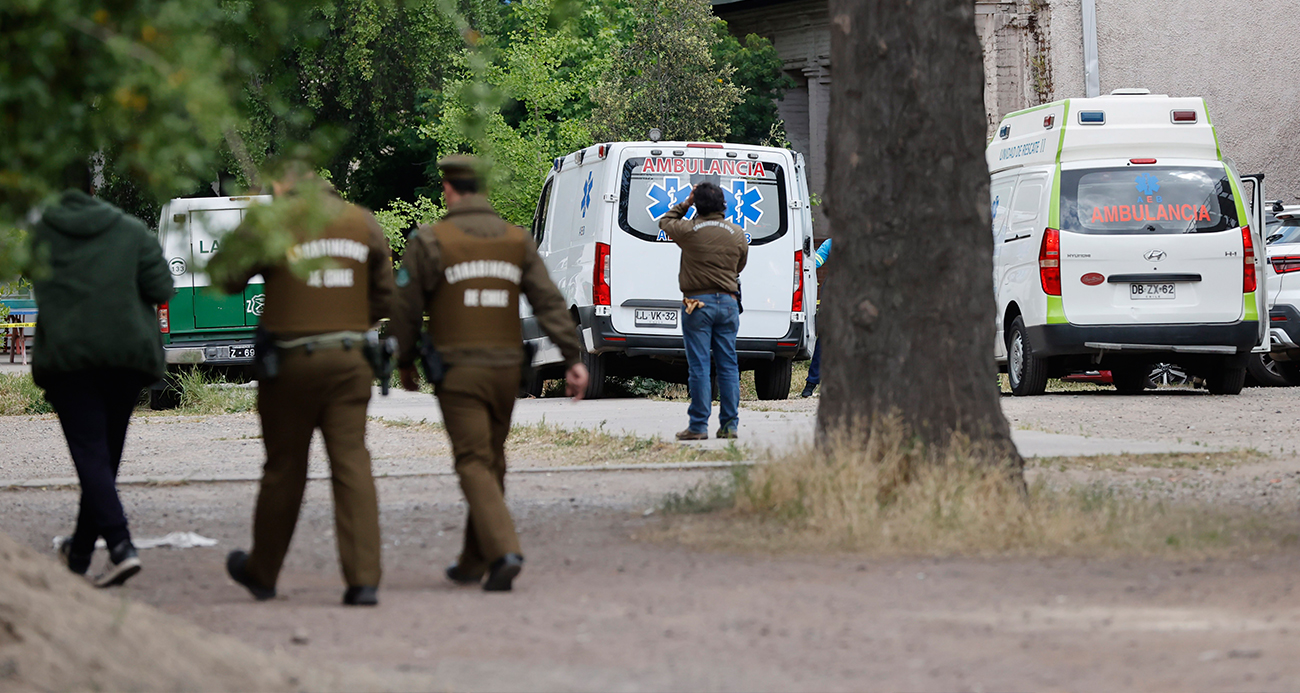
{"type": "Point", "coordinates": [897, 497]}
{"type": "Point", "coordinates": [20, 396]}
{"type": "Point", "coordinates": [587, 446]}
{"type": "Point", "coordinates": [209, 394]}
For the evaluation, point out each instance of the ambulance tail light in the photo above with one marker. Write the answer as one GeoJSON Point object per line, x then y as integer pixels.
{"type": "Point", "coordinates": [704, 145]}
{"type": "Point", "coordinates": [1285, 264]}
{"type": "Point", "coordinates": [164, 319]}
{"type": "Point", "coordinates": [1248, 261]}
{"type": "Point", "coordinates": [1049, 262]}
{"type": "Point", "coordinates": [796, 306]}
{"type": "Point", "coordinates": [600, 276]}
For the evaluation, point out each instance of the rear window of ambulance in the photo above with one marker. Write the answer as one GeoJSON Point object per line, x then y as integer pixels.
{"type": "Point", "coordinates": [1147, 200]}
{"type": "Point", "coordinates": [754, 192]}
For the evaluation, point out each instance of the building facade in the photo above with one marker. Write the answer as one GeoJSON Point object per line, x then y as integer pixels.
{"type": "Point", "coordinates": [1233, 54]}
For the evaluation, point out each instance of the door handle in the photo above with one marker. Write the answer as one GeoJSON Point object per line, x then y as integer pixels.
{"type": "Point", "coordinates": [1017, 238]}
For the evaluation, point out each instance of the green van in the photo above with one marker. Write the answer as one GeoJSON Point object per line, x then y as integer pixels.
{"type": "Point", "coordinates": [201, 327]}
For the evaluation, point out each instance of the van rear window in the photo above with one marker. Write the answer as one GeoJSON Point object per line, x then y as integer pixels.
{"type": "Point", "coordinates": [1147, 200]}
{"type": "Point", "coordinates": [754, 190]}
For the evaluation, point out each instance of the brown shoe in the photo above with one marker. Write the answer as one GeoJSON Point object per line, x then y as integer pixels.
{"type": "Point", "coordinates": [688, 434]}
{"type": "Point", "coordinates": [727, 433]}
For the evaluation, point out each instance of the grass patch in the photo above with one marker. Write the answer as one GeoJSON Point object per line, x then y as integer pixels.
{"type": "Point", "coordinates": [1170, 460]}
{"type": "Point", "coordinates": [20, 396]}
{"type": "Point", "coordinates": [206, 394]}
{"type": "Point", "coordinates": [588, 446]}
{"type": "Point", "coordinates": [894, 497]}
{"type": "Point", "coordinates": [582, 446]}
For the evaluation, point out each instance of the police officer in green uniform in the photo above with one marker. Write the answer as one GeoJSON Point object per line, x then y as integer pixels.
{"type": "Point", "coordinates": [316, 376]}
{"type": "Point", "coordinates": [467, 272]}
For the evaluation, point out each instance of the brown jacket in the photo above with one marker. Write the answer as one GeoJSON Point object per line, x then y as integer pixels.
{"type": "Point", "coordinates": [713, 251]}
{"type": "Point", "coordinates": [352, 292]}
{"type": "Point", "coordinates": [423, 286]}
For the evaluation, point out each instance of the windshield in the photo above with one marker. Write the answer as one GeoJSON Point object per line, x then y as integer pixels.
{"type": "Point", "coordinates": [1147, 200]}
{"type": "Point", "coordinates": [1288, 231]}
{"type": "Point", "coordinates": [754, 192]}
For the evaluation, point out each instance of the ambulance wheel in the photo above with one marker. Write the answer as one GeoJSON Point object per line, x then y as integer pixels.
{"type": "Point", "coordinates": [1130, 380]}
{"type": "Point", "coordinates": [1026, 371]}
{"type": "Point", "coordinates": [595, 364]}
{"type": "Point", "coordinates": [1289, 370]}
{"type": "Point", "coordinates": [772, 379]}
{"type": "Point", "coordinates": [1226, 380]}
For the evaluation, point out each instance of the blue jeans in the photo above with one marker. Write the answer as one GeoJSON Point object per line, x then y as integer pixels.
{"type": "Point", "coordinates": [815, 368]}
{"type": "Point", "coordinates": [712, 328]}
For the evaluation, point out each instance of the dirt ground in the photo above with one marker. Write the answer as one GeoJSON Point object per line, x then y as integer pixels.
{"type": "Point", "coordinates": [605, 604]}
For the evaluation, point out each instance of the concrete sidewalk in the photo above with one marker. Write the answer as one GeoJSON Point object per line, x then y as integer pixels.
{"type": "Point", "coordinates": [759, 430]}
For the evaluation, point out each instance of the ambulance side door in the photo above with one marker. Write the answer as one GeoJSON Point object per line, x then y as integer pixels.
{"type": "Point", "coordinates": [1000, 190]}
{"type": "Point", "coordinates": [1026, 221]}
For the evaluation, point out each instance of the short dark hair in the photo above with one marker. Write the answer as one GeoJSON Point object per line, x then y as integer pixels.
{"type": "Point", "coordinates": [464, 186]}
{"type": "Point", "coordinates": [77, 176]}
{"type": "Point", "coordinates": [709, 199]}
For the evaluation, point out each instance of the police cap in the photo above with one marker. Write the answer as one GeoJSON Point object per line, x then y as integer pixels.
{"type": "Point", "coordinates": [460, 167]}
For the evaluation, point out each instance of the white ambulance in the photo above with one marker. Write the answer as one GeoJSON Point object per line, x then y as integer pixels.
{"type": "Point", "coordinates": [597, 228]}
{"type": "Point", "coordinates": [1122, 239]}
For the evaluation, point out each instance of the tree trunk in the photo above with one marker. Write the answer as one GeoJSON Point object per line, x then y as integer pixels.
{"type": "Point", "coordinates": [909, 296]}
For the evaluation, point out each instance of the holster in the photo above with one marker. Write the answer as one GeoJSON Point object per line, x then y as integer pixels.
{"type": "Point", "coordinates": [379, 353]}
{"type": "Point", "coordinates": [266, 355]}
{"type": "Point", "coordinates": [431, 360]}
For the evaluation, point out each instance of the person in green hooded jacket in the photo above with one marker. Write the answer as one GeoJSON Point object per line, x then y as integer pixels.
{"type": "Point", "coordinates": [99, 276]}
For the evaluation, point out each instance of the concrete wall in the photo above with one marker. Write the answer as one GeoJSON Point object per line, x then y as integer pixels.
{"type": "Point", "coordinates": [1239, 55]}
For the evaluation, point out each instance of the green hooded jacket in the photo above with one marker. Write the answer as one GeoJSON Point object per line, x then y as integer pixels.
{"type": "Point", "coordinates": [101, 275]}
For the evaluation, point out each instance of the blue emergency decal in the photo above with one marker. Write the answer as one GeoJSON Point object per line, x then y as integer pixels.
{"type": "Point", "coordinates": [665, 196]}
{"type": "Point", "coordinates": [995, 210]}
{"type": "Point", "coordinates": [742, 203]}
{"type": "Point", "coordinates": [586, 194]}
{"type": "Point", "coordinates": [1148, 184]}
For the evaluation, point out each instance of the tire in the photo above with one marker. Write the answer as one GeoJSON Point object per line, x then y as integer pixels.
{"type": "Point", "coordinates": [772, 380]}
{"type": "Point", "coordinates": [1026, 371]}
{"type": "Point", "coordinates": [166, 397]}
{"type": "Point", "coordinates": [1266, 371]}
{"type": "Point", "coordinates": [1226, 380]}
{"type": "Point", "coordinates": [595, 364]}
{"type": "Point", "coordinates": [1289, 370]}
{"type": "Point", "coordinates": [1130, 380]}
{"type": "Point", "coordinates": [534, 388]}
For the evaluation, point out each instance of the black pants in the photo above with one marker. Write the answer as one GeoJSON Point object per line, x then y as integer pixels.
{"type": "Point", "coordinates": [94, 408]}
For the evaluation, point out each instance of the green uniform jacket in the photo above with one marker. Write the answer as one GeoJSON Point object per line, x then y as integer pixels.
{"type": "Point", "coordinates": [100, 273]}
{"type": "Point", "coordinates": [422, 275]}
{"type": "Point", "coordinates": [713, 251]}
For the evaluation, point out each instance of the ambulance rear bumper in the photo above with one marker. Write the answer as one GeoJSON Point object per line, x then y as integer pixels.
{"type": "Point", "coordinates": [605, 339]}
{"type": "Point", "coordinates": [1067, 339]}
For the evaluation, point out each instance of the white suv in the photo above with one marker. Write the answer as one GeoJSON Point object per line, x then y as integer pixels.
{"type": "Point", "coordinates": [1281, 366]}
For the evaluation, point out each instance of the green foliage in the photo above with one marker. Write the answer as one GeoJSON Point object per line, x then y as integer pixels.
{"type": "Point", "coordinates": [20, 396]}
{"type": "Point", "coordinates": [525, 101]}
{"type": "Point", "coordinates": [208, 394]}
{"type": "Point", "coordinates": [665, 76]}
{"type": "Point", "coordinates": [758, 71]}
{"type": "Point", "coordinates": [400, 217]}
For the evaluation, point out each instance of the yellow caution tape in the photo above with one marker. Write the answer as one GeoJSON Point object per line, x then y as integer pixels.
{"type": "Point", "coordinates": [15, 325]}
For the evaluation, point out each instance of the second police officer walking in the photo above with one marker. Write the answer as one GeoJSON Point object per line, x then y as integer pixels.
{"type": "Point", "coordinates": [314, 375]}
{"type": "Point", "coordinates": [467, 271]}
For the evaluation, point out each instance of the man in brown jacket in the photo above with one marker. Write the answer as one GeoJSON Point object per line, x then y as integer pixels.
{"type": "Point", "coordinates": [467, 272]}
{"type": "Point", "coordinates": [714, 252]}
{"type": "Point", "coordinates": [316, 326]}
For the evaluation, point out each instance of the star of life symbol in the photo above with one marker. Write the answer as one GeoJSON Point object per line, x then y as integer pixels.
{"type": "Point", "coordinates": [1147, 184]}
{"type": "Point", "coordinates": [742, 204]}
{"type": "Point", "coordinates": [664, 197]}
{"type": "Point", "coordinates": [586, 193]}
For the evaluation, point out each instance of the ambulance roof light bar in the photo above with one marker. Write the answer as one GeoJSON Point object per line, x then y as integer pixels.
{"type": "Point", "coordinates": [704, 145]}
{"type": "Point", "coordinates": [1092, 117]}
{"type": "Point", "coordinates": [1183, 117]}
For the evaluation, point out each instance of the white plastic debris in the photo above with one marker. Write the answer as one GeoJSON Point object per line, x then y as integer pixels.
{"type": "Point", "coordinates": [175, 540]}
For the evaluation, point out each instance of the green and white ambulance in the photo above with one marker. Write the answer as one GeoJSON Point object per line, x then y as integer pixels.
{"type": "Point", "coordinates": [200, 326]}
{"type": "Point", "coordinates": [1123, 238]}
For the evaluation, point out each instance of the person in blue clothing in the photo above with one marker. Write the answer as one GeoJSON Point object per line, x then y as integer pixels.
{"type": "Point", "coordinates": [815, 368]}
